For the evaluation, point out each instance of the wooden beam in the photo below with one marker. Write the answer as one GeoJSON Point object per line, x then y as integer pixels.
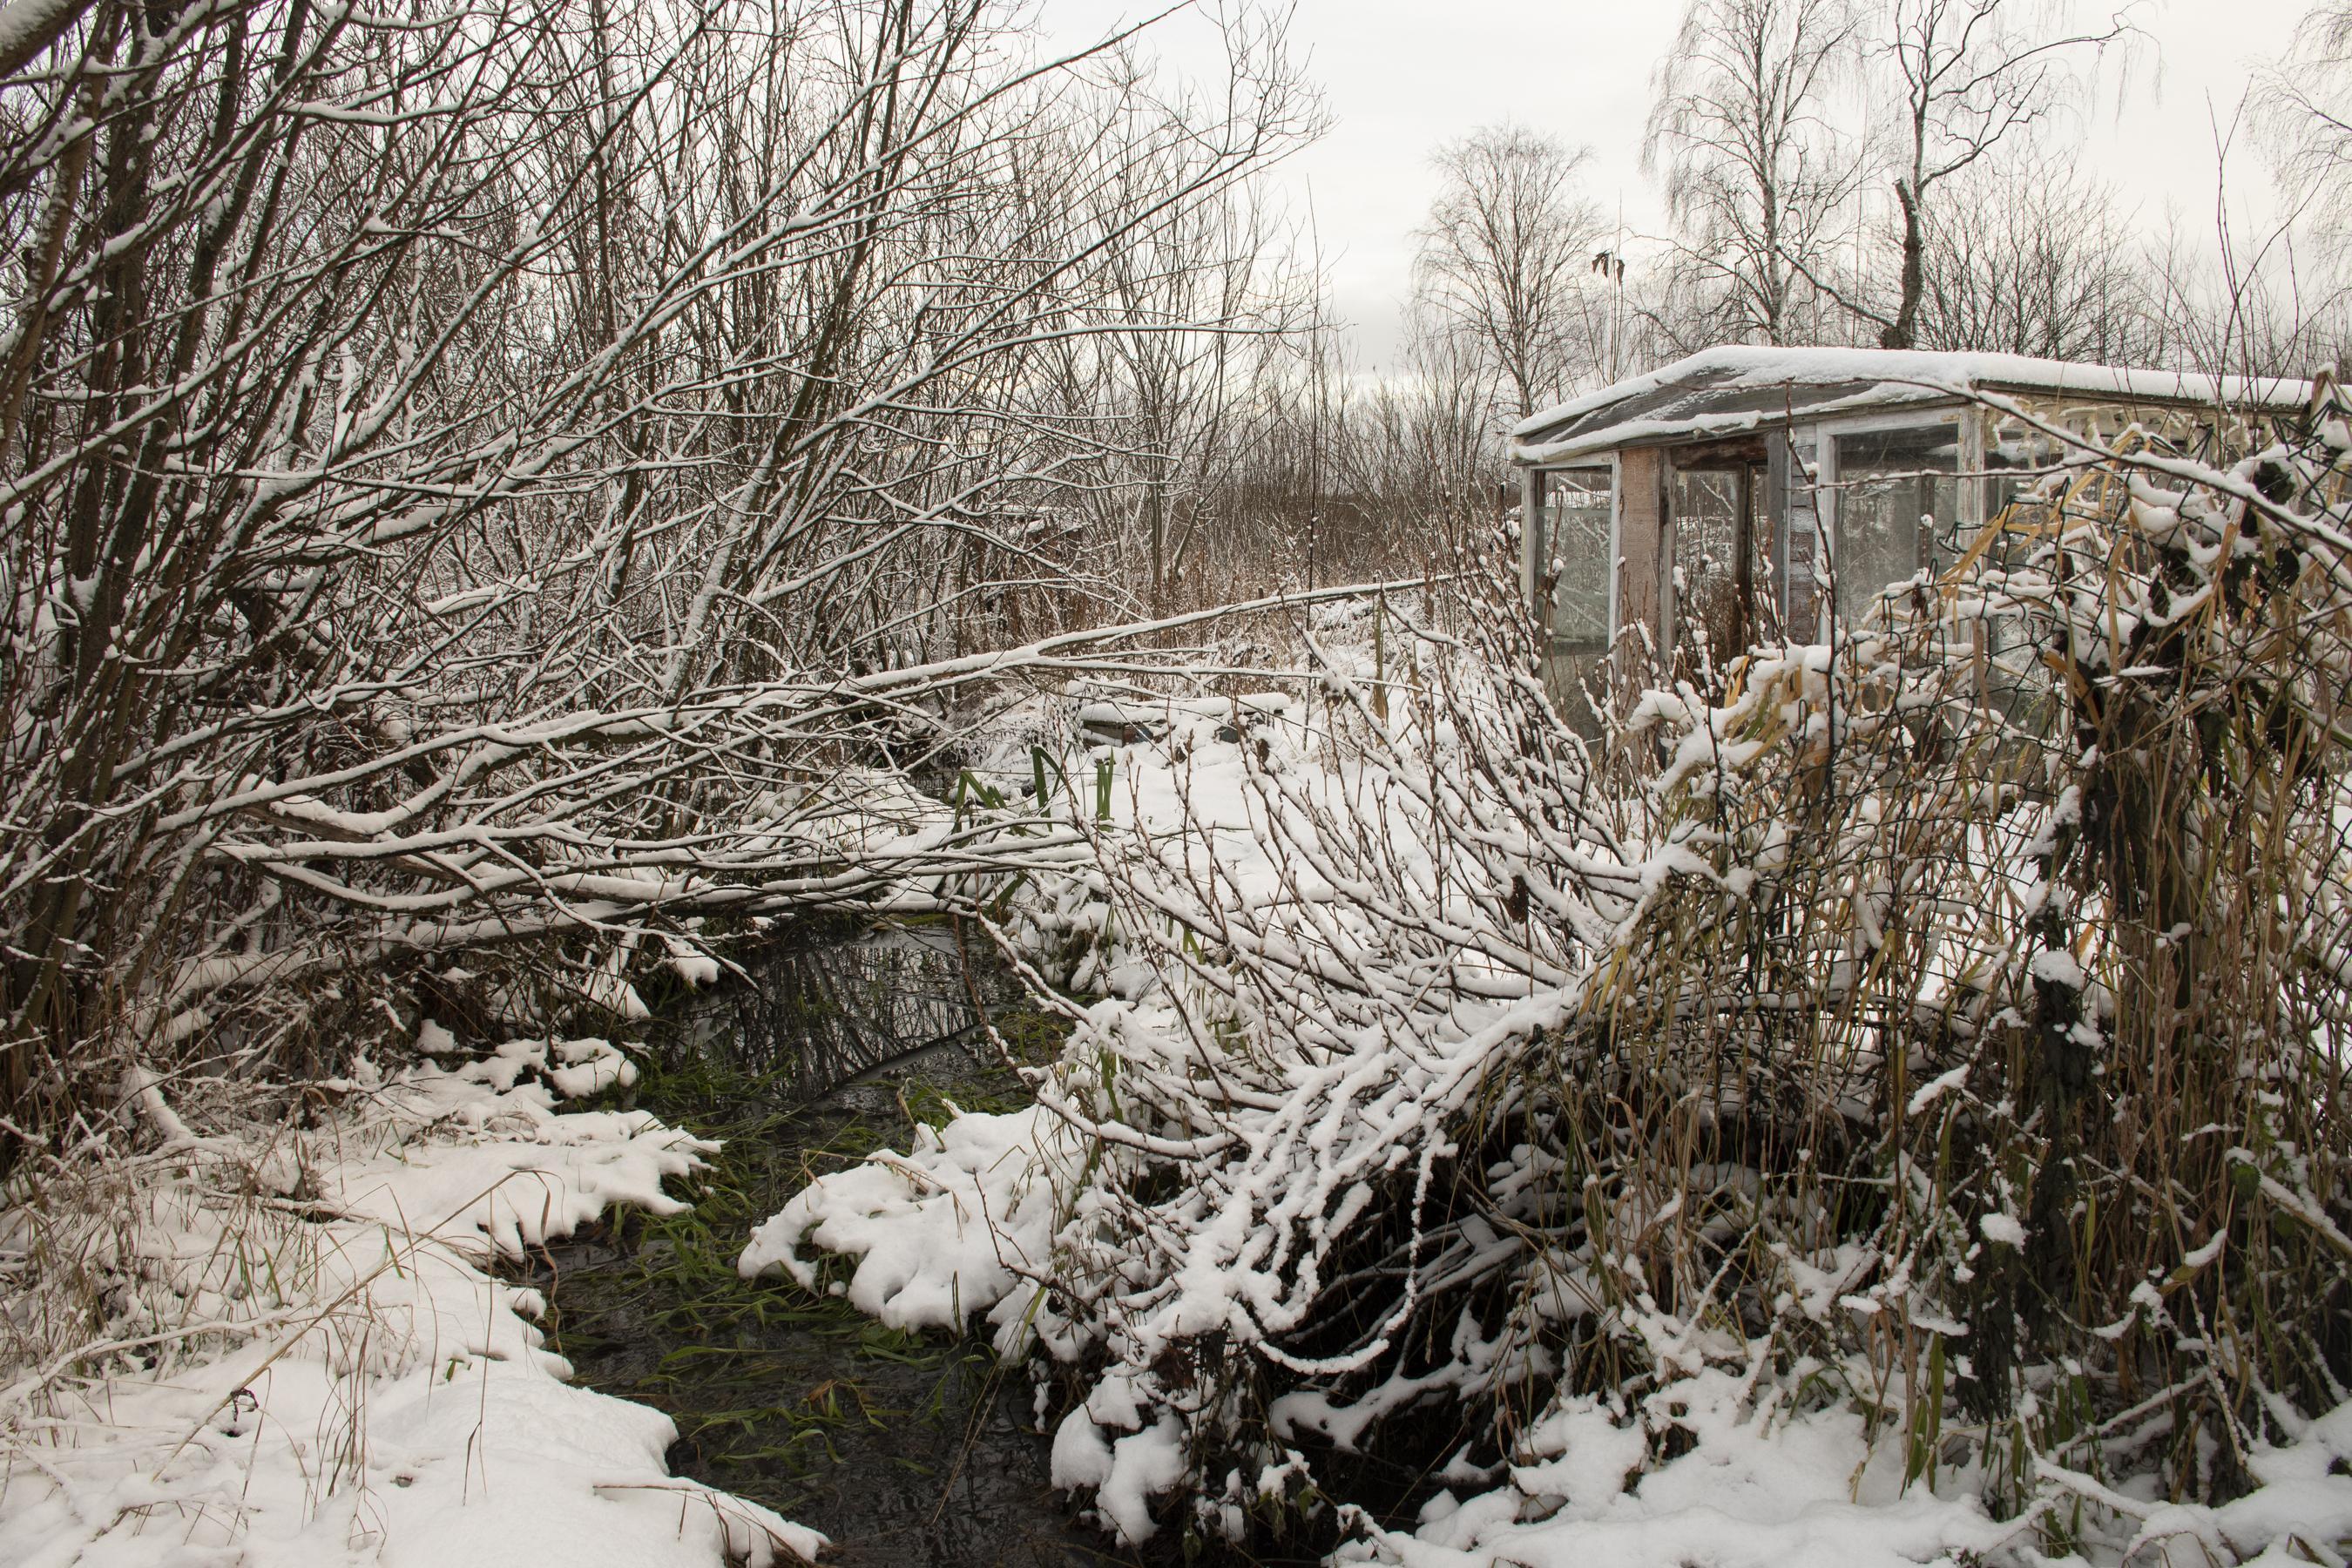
{"type": "Point", "coordinates": [1531, 549]}
{"type": "Point", "coordinates": [1735, 452]}
{"type": "Point", "coordinates": [1642, 542]}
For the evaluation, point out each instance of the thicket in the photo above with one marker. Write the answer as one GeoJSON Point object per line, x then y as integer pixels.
{"type": "Point", "coordinates": [1942, 1023]}
{"type": "Point", "coordinates": [479, 477]}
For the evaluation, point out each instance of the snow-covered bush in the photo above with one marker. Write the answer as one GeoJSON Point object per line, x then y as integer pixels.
{"type": "Point", "coordinates": [1316, 933]}
{"type": "Point", "coordinates": [1931, 1059]}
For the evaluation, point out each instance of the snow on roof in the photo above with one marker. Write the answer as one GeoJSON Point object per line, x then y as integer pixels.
{"type": "Point", "coordinates": [1726, 391]}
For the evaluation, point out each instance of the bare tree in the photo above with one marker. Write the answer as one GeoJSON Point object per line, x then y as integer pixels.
{"type": "Point", "coordinates": [2033, 255]}
{"type": "Point", "coordinates": [2306, 104]}
{"type": "Point", "coordinates": [1418, 442]}
{"type": "Point", "coordinates": [1970, 74]}
{"type": "Point", "coordinates": [1757, 175]}
{"type": "Point", "coordinates": [1506, 251]}
{"type": "Point", "coordinates": [474, 477]}
{"type": "Point", "coordinates": [2236, 304]}
{"type": "Point", "coordinates": [1214, 292]}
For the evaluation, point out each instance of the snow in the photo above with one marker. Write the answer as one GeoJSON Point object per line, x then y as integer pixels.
{"type": "Point", "coordinates": [1253, 705]}
{"type": "Point", "coordinates": [1759, 1491]}
{"type": "Point", "coordinates": [1890, 377]}
{"type": "Point", "coordinates": [1752, 1492]}
{"type": "Point", "coordinates": [368, 1392]}
{"type": "Point", "coordinates": [2003, 1228]}
{"type": "Point", "coordinates": [953, 1227]}
{"type": "Point", "coordinates": [1125, 1473]}
{"type": "Point", "coordinates": [1751, 365]}
{"type": "Point", "coordinates": [2058, 967]}
{"type": "Point", "coordinates": [476, 598]}
{"type": "Point", "coordinates": [690, 963]}
{"type": "Point", "coordinates": [574, 1069]}
{"type": "Point", "coordinates": [1935, 1088]}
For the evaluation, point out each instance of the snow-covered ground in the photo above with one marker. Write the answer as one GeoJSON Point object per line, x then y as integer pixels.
{"type": "Point", "coordinates": [313, 1363]}
{"type": "Point", "coordinates": [1762, 1487]}
{"type": "Point", "coordinates": [338, 1377]}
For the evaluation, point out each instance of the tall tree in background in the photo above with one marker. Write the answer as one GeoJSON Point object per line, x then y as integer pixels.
{"type": "Point", "coordinates": [2307, 105]}
{"type": "Point", "coordinates": [1211, 293]}
{"type": "Point", "coordinates": [1971, 74]}
{"type": "Point", "coordinates": [1505, 250]}
{"type": "Point", "coordinates": [1756, 175]}
{"type": "Point", "coordinates": [2034, 257]}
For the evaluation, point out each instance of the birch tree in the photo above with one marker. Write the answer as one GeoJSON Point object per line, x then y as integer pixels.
{"type": "Point", "coordinates": [1757, 176]}
{"type": "Point", "coordinates": [1968, 76]}
{"type": "Point", "coordinates": [1506, 252]}
{"type": "Point", "coordinates": [2307, 104]}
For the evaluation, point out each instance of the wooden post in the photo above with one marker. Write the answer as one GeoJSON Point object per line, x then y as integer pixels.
{"type": "Point", "coordinates": [1976, 505]}
{"type": "Point", "coordinates": [1159, 523]}
{"type": "Point", "coordinates": [1643, 595]}
{"type": "Point", "coordinates": [1531, 540]}
{"type": "Point", "coordinates": [1743, 559]}
{"type": "Point", "coordinates": [1802, 602]}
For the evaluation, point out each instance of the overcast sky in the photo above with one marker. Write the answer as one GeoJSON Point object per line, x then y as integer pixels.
{"type": "Point", "coordinates": [1401, 76]}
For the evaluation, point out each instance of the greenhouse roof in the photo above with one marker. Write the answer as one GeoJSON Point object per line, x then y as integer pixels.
{"type": "Point", "coordinates": [1728, 391]}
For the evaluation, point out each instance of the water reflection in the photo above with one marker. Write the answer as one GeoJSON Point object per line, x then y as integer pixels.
{"type": "Point", "coordinates": [822, 1016]}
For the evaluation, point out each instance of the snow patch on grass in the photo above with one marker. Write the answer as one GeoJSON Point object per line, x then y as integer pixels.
{"type": "Point", "coordinates": [306, 1360]}
{"type": "Point", "coordinates": [956, 1227]}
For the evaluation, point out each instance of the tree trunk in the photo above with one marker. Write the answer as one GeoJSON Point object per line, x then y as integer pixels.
{"type": "Point", "coordinates": [1903, 331]}
{"type": "Point", "coordinates": [1156, 514]}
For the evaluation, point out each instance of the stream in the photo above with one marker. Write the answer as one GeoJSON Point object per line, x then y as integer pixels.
{"type": "Point", "coordinates": [908, 1451]}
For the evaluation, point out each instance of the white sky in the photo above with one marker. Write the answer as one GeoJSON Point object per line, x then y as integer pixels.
{"type": "Point", "coordinates": [1401, 76]}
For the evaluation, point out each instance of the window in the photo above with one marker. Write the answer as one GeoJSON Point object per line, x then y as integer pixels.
{"type": "Point", "coordinates": [1898, 506]}
{"type": "Point", "coordinates": [1577, 560]}
{"type": "Point", "coordinates": [1712, 593]}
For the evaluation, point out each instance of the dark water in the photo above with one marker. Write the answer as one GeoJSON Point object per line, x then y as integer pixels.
{"type": "Point", "coordinates": [908, 1452]}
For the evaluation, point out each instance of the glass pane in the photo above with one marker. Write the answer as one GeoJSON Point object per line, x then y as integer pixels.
{"type": "Point", "coordinates": [1893, 486]}
{"type": "Point", "coordinates": [1707, 610]}
{"type": "Point", "coordinates": [2026, 464]}
{"type": "Point", "coordinates": [1576, 540]}
{"type": "Point", "coordinates": [2018, 458]}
